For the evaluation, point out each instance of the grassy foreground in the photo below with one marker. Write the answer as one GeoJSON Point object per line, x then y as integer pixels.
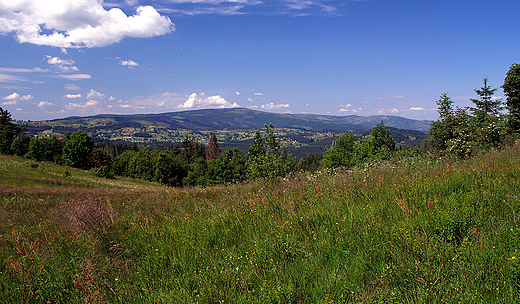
{"type": "Point", "coordinates": [414, 231]}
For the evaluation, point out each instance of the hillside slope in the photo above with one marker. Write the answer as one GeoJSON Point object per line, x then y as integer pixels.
{"type": "Point", "coordinates": [417, 230]}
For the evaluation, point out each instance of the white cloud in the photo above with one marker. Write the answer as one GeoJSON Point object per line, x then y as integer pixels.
{"type": "Point", "coordinates": [90, 103]}
{"type": "Point", "coordinates": [400, 96]}
{"type": "Point", "coordinates": [62, 64]}
{"type": "Point", "coordinates": [272, 106]}
{"type": "Point", "coordinates": [93, 94]}
{"type": "Point", "coordinates": [16, 96]}
{"type": "Point", "coordinates": [10, 103]}
{"type": "Point", "coordinates": [259, 94]}
{"type": "Point", "coordinates": [78, 23]}
{"type": "Point", "coordinates": [129, 63]}
{"type": "Point", "coordinates": [417, 109]}
{"type": "Point", "coordinates": [238, 93]}
{"type": "Point", "coordinates": [72, 87]}
{"type": "Point", "coordinates": [250, 99]}
{"type": "Point", "coordinates": [74, 77]}
{"type": "Point", "coordinates": [44, 104]}
{"type": "Point", "coordinates": [11, 78]}
{"type": "Point", "coordinates": [203, 101]}
{"type": "Point", "coordinates": [72, 96]}
{"type": "Point", "coordinates": [59, 61]}
{"type": "Point", "coordinates": [235, 7]}
{"type": "Point", "coordinates": [12, 96]}
{"type": "Point", "coordinates": [385, 111]}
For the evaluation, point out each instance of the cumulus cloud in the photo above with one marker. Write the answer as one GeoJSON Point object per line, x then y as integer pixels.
{"type": "Point", "coordinates": [16, 96]}
{"type": "Point", "coordinates": [238, 93]}
{"type": "Point", "coordinates": [93, 94]}
{"type": "Point", "coordinates": [417, 109]}
{"type": "Point", "coordinates": [386, 111]}
{"type": "Point", "coordinates": [62, 64]}
{"type": "Point", "coordinates": [78, 23]}
{"type": "Point", "coordinates": [203, 101]}
{"type": "Point", "coordinates": [259, 94]}
{"type": "Point", "coordinates": [44, 104]}
{"type": "Point", "coordinates": [272, 106]}
{"type": "Point", "coordinates": [129, 63]}
{"type": "Point", "coordinates": [90, 103]}
{"type": "Point", "coordinates": [72, 96]}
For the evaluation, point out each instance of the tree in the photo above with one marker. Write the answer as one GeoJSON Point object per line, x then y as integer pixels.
{"type": "Point", "coordinates": [488, 123]}
{"type": "Point", "coordinates": [511, 89]}
{"type": "Point", "coordinates": [213, 150]}
{"type": "Point", "coordinates": [192, 150]}
{"type": "Point", "coordinates": [197, 173]}
{"type": "Point", "coordinates": [229, 167]}
{"type": "Point", "coordinates": [443, 129]}
{"type": "Point", "coordinates": [8, 131]}
{"type": "Point", "coordinates": [100, 157]}
{"type": "Point", "coordinates": [486, 105]}
{"type": "Point", "coordinates": [20, 144]}
{"type": "Point", "coordinates": [78, 149]}
{"type": "Point", "coordinates": [257, 148]}
{"type": "Point", "coordinates": [270, 162]}
{"type": "Point", "coordinates": [382, 140]}
{"type": "Point", "coordinates": [45, 149]}
{"type": "Point", "coordinates": [340, 153]}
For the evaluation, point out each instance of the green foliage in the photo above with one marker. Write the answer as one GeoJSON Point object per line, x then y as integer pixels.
{"type": "Point", "coordinates": [20, 144]}
{"type": "Point", "coordinates": [229, 167]}
{"type": "Point", "coordinates": [100, 157]}
{"type": "Point", "coordinates": [197, 173]}
{"type": "Point", "coordinates": [459, 133]}
{"type": "Point", "coordinates": [192, 149]}
{"type": "Point", "coordinates": [340, 153]}
{"type": "Point", "coordinates": [511, 89]}
{"type": "Point", "coordinates": [77, 150]}
{"type": "Point", "coordinates": [345, 152]}
{"type": "Point", "coordinates": [101, 171]}
{"type": "Point", "coordinates": [45, 149]}
{"type": "Point", "coordinates": [267, 163]}
{"type": "Point", "coordinates": [486, 104]}
{"type": "Point", "coordinates": [166, 167]}
{"type": "Point", "coordinates": [213, 150]}
{"type": "Point", "coordinates": [381, 141]}
{"type": "Point", "coordinates": [170, 168]}
{"type": "Point", "coordinates": [8, 131]}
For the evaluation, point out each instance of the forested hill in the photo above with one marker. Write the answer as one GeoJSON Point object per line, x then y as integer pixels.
{"type": "Point", "coordinates": [241, 118]}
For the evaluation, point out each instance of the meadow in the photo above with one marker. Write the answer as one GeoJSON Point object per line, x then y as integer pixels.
{"type": "Point", "coordinates": [414, 230]}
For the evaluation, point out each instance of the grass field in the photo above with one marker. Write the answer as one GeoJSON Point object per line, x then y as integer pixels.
{"type": "Point", "coordinates": [420, 230]}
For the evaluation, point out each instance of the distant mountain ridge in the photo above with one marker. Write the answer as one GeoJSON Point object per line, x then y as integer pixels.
{"type": "Point", "coordinates": [242, 118]}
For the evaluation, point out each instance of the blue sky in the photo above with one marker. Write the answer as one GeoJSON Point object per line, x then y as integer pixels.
{"type": "Point", "coordinates": [62, 58]}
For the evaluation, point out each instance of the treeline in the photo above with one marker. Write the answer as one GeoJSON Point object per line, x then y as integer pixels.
{"type": "Point", "coordinates": [190, 163]}
{"type": "Point", "coordinates": [490, 123]}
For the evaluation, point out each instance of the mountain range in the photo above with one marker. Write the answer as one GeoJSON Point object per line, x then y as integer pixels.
{"type": "Point", "coordinates": [242, 118]}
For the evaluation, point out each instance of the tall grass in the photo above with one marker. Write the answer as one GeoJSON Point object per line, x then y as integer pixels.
{"type": "Point", "coordinates": [416, 230]}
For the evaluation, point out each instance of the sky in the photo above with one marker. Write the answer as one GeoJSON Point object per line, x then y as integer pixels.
{"type": "Point", "coordinates": [62, 58]}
